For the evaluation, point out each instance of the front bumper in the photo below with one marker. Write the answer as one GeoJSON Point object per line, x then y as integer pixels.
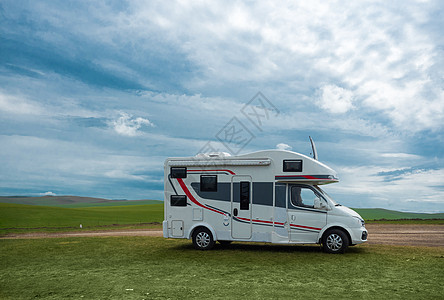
{"type": "Point", "coordinates": [359, 235]}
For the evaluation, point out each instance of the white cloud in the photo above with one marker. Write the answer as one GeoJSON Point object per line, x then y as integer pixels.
{"type": "Point", "coordinates": [370, 188]}
{"type": "Point", "coordinates": [401, 155]}
{"type": "Point", "coordinates": [127, 125]}
{"type": "Point", "coordinates": [384, 54]}
{"type": "Point", "coordinates": [283, 146]}
{"type": "Point", "coordinates": [121, 174]}
{"type": "Point", "coordinates": [125, 173]}
{"type": "Point", "coordinates": [19, 105]}
{"type": "Point", "coordinates": [335, 99]}
{"type": "Point", "coordinates": [48, 194]}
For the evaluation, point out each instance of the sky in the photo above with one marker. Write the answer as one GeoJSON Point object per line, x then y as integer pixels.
{"type": "Point", "coordinates": [95, 95]}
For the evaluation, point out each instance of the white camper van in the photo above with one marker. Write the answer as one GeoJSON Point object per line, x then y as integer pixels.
{"type": "Point", "coordinates": [267, 196]}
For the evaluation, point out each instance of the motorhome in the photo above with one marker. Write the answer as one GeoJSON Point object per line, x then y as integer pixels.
{"type": "Point", "coordinates": [271, 196]}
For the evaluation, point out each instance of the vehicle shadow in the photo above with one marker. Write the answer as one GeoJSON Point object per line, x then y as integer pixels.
{"type": "Point", "coordinates": [261, 247]}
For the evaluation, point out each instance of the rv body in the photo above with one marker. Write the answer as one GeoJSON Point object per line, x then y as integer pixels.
{"type": "Point", "coordinates": [267, 196]}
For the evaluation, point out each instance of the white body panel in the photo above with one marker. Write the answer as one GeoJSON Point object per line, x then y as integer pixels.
{"type": "Point", "coordinates": [255, 199]}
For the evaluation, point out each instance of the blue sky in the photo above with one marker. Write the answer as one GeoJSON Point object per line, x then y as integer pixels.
{"type": "Point", "coordinates": [95, 95]}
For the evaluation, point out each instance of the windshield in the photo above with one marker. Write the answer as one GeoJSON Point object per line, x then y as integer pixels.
{"type": "Point", "coordinates": [327, 196]}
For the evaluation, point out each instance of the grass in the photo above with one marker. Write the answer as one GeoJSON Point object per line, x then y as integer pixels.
{"type": "Point", "coordinates": [72, 201]}
{"type": "Point", "coordinates": [25, 218]}
{"type": "Point", "coordinates": [408, 221]}
{"type": "Point", "coordinates": [157, 268]}
{"type": "Point", "coordinates": [380, 213]}
{"type": "Point", "coordinates": [111, 203]}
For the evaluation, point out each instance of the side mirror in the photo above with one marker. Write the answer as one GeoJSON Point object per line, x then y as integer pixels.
{"type": "Point", "coordinates": [319, 204]}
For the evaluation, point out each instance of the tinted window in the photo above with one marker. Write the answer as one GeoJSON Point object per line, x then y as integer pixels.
{"type": "Point", "coordinates": [244, 195]}
{"type": "Point", "coordinates": [178, 172]}
{"type": "Point", "coordinates": [293, 165]}
{"type": "Point", "coordinates": [178, 200]}
{"type": "Point", "coordinates": [208, 183]}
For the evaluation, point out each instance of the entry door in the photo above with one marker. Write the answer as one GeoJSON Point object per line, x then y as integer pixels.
{"type": "Point", "coordinates": [241, 195]}
{"type": "Point", "coordinates": [305, 221]}
{"type": "Point", "coordinates": [280, 211]}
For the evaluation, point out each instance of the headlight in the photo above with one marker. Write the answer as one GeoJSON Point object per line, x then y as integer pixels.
{"type": "Point", "coordinates": [361, 222]}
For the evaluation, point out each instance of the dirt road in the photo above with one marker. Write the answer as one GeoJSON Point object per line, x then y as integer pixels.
{"type": "Point", "coordinates": [405, 234]}
{"type": "Point", "coordinates": [388, 234]}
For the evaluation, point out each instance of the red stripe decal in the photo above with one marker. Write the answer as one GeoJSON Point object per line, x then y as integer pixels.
{"type": "Point", "coordinates": [263, 221]}
{"type": "Point", "coordinates": [260, 221]}
{"type": "Point", "coordinates": [229, 171]}
{"type": "Point", "coordinates": [188, 193]}
{"type": "Point", "coordinates": [304, 176]}
{"type": "Point", "coordinates": [308, 227]}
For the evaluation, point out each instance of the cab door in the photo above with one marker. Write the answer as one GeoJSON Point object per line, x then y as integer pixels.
{"type": "Point", "coordinates": [241, 195]}
{"type": "Point", "coordinates": [305, 221]}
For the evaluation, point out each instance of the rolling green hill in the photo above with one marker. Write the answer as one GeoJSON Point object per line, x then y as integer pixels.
{"type": "Point", "coordinates": [72, 201]}
{"type": "Point", "coordinates": [380, 213]}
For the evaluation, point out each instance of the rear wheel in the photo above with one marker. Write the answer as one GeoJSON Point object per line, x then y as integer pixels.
{"type": "Point", "coordinates": [203, 239]}
{"type": "Point", "coordinates": [335, 241]}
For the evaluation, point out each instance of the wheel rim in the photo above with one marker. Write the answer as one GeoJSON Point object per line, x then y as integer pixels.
{"type": "Point", "coordinates": [334, 242]}
{"type": "Point", "coordinates": [203, 239]}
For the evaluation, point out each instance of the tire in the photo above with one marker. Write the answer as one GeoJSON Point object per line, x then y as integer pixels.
{"type": "Point", "coordinates": [335, 241]}
{"type": "Point", "coordinates": [202, 239]}
{"type": "Point", "coordinates": [224, 243]}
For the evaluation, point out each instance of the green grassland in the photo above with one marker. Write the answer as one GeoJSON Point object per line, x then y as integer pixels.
{"type": "Point", "coordinates": [158, 268]}
{"type": "Point", "coordinates": [82, 202]}
{"type": "Point", "coordinates": [20, 217]}
{"type": "Point", "coordinates": [72, 201]}
{"type": "Point", "coordinates": [24, 218]}
{"type": "Point", "coordinates": [111, 203]}
{"type": "Point", "coordinates": [380, 214]}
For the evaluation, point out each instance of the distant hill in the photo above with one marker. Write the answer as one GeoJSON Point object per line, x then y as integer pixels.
{"type": "Point", "coordinates": [72, 201]}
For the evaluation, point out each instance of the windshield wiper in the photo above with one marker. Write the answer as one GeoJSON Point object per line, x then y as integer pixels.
{"type": "Point", "coordinates": [337, 204]}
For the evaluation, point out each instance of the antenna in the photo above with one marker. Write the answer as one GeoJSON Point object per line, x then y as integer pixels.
{"type": "Point", "coordinates": [313, 147]}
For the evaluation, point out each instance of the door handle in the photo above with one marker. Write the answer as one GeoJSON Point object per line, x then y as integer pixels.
{"type": "Point", "coordinates": [235, 212]}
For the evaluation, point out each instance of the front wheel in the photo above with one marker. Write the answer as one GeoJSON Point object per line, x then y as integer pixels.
{"type": "Point", "coordinates": [203, 239]}
{"type": "Point", "coordinates": [335, 241]}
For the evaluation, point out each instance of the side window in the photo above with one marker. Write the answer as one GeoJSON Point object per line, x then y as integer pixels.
{"type": "Point", "coordinates": [208, 183]}
{"type": "Point", "coordinates": [292, 165]}
{"type": "Point", "coordinates": [178, 200]}
{"type": "Point", "coordinates": [303, 197]}
{"type": "Point", "coordinates": [244, 195]}
{"type": "Point", "coordinates": [178, 172]}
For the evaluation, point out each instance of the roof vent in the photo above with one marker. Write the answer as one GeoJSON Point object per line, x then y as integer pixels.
{"type": "Point", "coordinates": [213, 155]}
